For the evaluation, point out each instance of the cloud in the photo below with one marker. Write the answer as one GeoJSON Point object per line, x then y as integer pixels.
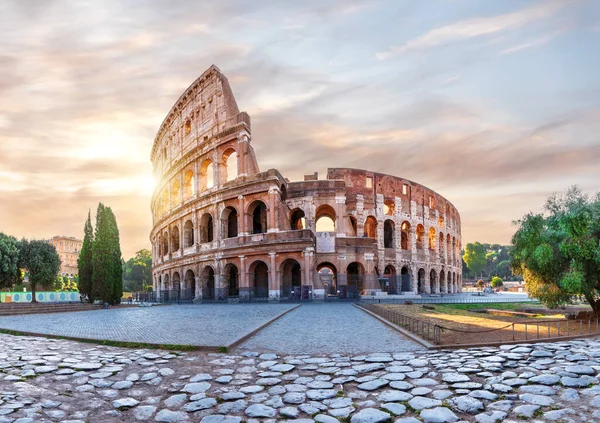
{"type": "Point", "coordinates": [477, 27]}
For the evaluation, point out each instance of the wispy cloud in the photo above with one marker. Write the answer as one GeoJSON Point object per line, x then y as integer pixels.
{"type": "Point", "coordinates": [477, 27]}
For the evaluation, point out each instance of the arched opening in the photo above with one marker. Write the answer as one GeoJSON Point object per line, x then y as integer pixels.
{"type": "Point", "coordinates": [231, 165]}
{"type": "Point", "coordinates": [176, 284]}
{"type": "Point", "coordinates": [190, 283]}
{"type": "Point", "coordinates": [291, 279]}
{"type": "Point", "coordinates": [441, 245]}
{"type": "Point", "coordinates": [208, 283]}
{"type": "Point", "coordinates": [175, 193]}
{"type": "Point", "coordinates": [449, 251]}
{"type": "Point", "coordinates": [455, 251]}
{"type": "Point", "coordinates": [206, 228]}
{"type": "Point", "coordinates": [420, 237]}
{"type": "Point", "coordinates": [232, 280]}
{"type": "Point", "coordinates": [297, 220]}
{"type": "Point", "coordinates": [230, 222]}
{"type": "Point", "coordinates": [260, 279]}
{"type": "Point", "coordinates": [188, 185]}
{"type": "Point", "coordinates": [356, 279]}
{"type": "Point", "coordinates": [371, 227]}
{"type": "Point", "coordinates": [174, 238]}
{"type": "Point", "coordinates": [165, 202]}
{"type": "Point", "coordinates": [434, 282]}
{"type": "Point", "coordinates": [353, 226]}
{"type": "Point", "coordinates": [388, 234]}
{"type": "Point", "coordinates": [283, 192]}
{"type": "Point", "coordinates": [327, 274]}
{"type": "Point", "coordinates": [405, 280]}
{"type": "Point", "coordinates": [207, 174]}
{"type": "Point", "coordinates": [325, 218]}
{"type": "Point", "coordinates": [431, 239]}
{"type": "Point", "coordinates": [188, 234]}
{"type": "Point", "coordinates": [390, 283]}
{"type": "Point", "coordinates": [258, 211]}
{"type": "Point", "coordinates": [421, 288]}
{"type": "Point", "coordinates": [166, 285]}
{"type": "Point", "coordinates": [388, 208]}
{"type": "Point", "coordinates": [404, 232]}
{"type": "Point", "coordinates": [443, 283]}
{"type": "Point", "coordinates": [165, 244]}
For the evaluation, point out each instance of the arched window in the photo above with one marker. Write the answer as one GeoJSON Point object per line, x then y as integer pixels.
{"type": "Point", "coordinates": [174, 238]}
{"type": "Point", "coordinates": [188, 185]}
{"type": "Point", "coordinates": [325, 218]}
{"type": "Point", "coordinates": [165, 244]}
{"type": "Point", "coordinates": [297, 220]}
{"type": "Point", "coordinates": [388, 234]}
{"type": "Point", "coordinates": [207, 174]}
{"type": "Point", "coordinates": [165, 201]}
{"type": "Point", "coordinates": [188, 234]}
{"type": "Point", "coordinates": [207, 279]}
{"type": "Point", "coordinates": [175, 193]}
{"type": "Point", "coordinates": [404, 235]}
{"type": "Point", "coordinates": [258, 211]}
{"type": "Point", "coordinates": [230, 222]}
{"type": "Point", "coordinates": [231, 165]}
{"type": "Point", "coordinates": [371, 227]}
{"type": "Point", "coordinates": [420, 237]}
{"type": "Point", "coordinates": [442, 244]}
{"type": "Point", "coordinates": [232, 280]}
{"type": "Point", "coordinates": [190, 282]}
{"type": "Point", "coordinates": [432, 239]}
{"type": "Point", "coordinates": [206, 228]}
{"type": "Point", "coordinates": [388, 207]}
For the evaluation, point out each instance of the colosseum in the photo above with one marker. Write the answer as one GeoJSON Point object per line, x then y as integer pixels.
{"type": "Point", "coordinates": [223, 230]}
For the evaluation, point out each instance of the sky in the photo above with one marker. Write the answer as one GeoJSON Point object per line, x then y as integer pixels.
{"type": "Point", "coordinates": [493, 104]}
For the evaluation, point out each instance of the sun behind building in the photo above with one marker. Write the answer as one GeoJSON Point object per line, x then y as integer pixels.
{"type": "Point", "coordinates": [222, 229]}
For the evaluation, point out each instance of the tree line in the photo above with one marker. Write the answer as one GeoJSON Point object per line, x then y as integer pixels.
{"type": "Point", "coordinates": [38, 257]}
{"type": "Point", "coordinates": [484, 261]}
{"type": "Point", "coordinates": [137, 272]}
{"type": "Point", "coordinates": [99, 263]}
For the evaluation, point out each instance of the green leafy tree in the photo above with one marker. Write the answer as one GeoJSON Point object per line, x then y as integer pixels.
{"type": "Point", "coordinates": [475, 257]}
{"type": "Point", "coordinates": [84, 262]}
{"type": "Point", "coordinates": [137, 271]}
{"type": "Point", "coordinates": [558, 253]}
{"type": "Point", "coordinates": [10, 254]}
{"type": "Point", "coordinates": [43, 263]}
{"type": "Point", "coordinates": [496, 282]}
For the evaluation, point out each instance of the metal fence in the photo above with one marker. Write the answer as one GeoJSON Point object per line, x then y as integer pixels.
{"type": "Point", "coordinates": [425, 330]}
{"type": "Point", "coordinates": [448, 299]}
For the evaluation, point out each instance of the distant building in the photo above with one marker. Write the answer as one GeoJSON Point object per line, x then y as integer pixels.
{"type": "Point", "coordinates": [68, 249]}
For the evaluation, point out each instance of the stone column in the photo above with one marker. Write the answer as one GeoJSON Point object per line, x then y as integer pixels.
{"type": "Point", "coordinates": [427, 281]}
{"type": "Point", "coordinates": [242, 230]}
{"type": "Point", "coordinates": [197, 179]}
{"type": "Point", "coordinates": [244, 284]}
{"type": "Point", "coordinates": [340, 216]}
{"type": "Point", "coordinates": [197, 291]}
{"type": "Point", "coordinates": [273, 283]}
{"type": "Point", "coordinates": [273, 225]}
{"type": "Point", "coordinates": [242, 157]}
{"type": "Point", "coordinates": [181, 188]}
{"type": "Point", "coordinates": [181, 243]}
{"type": "Point", "coordinates": [371, 283]}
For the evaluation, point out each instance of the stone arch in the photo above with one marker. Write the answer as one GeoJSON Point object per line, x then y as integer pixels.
{"type": "Point", "coordinates": [432, 239]}
{"type": "Point", "coordinates": [389, 234]}
{"type": "Point", "coordinates": [370, 227]}
{"type": "Point", "coordinates": [232, 279]}
{"type": "Point", "coordinates": [291, 278]}
{"type": "Point", "coordinates": [229, 219]}
{"type": "Point", "coordinates": [257, 213]}
{"type": "Point", "coordinates": [355, 273]}
{"type": "Point", "coordinates": [421, 282]}
{"type": "Point", "coordinates": [327, 273]}
{"type": "Point", "coordinates": [188, 185]}
{"type": "Point", "coordinates": [207, 281]}
{"type": "Point", "coordinates": [420, 237]}
{"type": "Point", "coordinates": [259, 279]}
{"type": "Point", "coordinates": [166, 281]}
{"type": "Point", "coordinates": [443, 282]}
{"type": "Point", "coordinates": [388, 207]}
{"type": "Point", "coordinates": [165, 202]}
{"type": "Point", "coordinates": [175, 193]}
{"type": "Point", "coordinates": [389, 273]}
{"type": "Point", "coordinates": [449, 252]}
{"type": "Point", "coordinates": [405, 279]}
{"type": "Point", "coordinates": [207, 175]}
{"type": "Point", "coordinates": [188, 234]}
{"type": "Point", "coordinates": [405, 235]}
{"type": "Point", "coordinates": [325, 218]}
{"type": "Point", "coordinates": [176, 282]}
{"type": "Point", "coordinates": [441, 245]}
{"type": "Point", "coordinates": [297, 220]}
{"type": "Point", "coordinates": [230, 161]}
{"type": "Point", "coordinates": [165, 243]}
{"type": "Point", "coordinates": [174, 238]}
{"type": "Point", "coordinates": [434, 282]}
{"type": "Point", "coordinates": [206, 228]}
{"type": "Point", "coordinates": [190, 281]}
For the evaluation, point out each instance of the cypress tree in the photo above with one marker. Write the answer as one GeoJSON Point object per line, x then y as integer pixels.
{"type": "Point", "coordinates": [116, 260]}
{"type": "Point", "coordinates": [102, 257]}
{"type": "Point", "coordinates": [84, 262]}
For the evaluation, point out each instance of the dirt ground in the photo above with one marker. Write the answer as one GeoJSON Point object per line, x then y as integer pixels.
{"type": "Point", "coordinates": [463, 326]}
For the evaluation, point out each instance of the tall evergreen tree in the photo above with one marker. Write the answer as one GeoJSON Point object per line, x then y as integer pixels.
{"type": "Point", "coordinates": [84, 262]}
{"type": "Point", "coordinates": [102, 257]}
{"type": "Point", "coordinates": [116, 264]}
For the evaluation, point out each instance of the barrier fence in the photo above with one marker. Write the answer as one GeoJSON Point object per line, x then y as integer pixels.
{"type": "Point", "coordinates": [514, 331]}
{"type": "Point", "coordinates": [448, 299]}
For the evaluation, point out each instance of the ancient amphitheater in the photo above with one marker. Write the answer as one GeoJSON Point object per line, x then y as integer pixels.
{"type": "Point", "coordinates": [225, 230]}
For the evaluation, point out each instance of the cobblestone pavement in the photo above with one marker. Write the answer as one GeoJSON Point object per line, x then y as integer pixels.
{"type": "Point", "coordinates": [47, 380]}
{"type": "Point", "coordinates": [328, 329]}
{"type": "Point", "coordinates": [208, 324]}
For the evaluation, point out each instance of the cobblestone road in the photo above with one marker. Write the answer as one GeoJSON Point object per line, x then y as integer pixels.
{"type": "Point", "coordinates": [329, 328]}
{"type": "Point", "coordinates": [48, 380]}
{"type": "Point", "coordinates": [207, 324]}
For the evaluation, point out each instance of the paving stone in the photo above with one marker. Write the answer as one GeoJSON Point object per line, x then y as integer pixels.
{"type": "Point", "coordinates": [370, 415]}
{"type": "Point", "coordinates": [438, 415]}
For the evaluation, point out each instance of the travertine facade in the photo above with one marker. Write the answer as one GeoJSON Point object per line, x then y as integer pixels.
{"type": "Point", "coordinates": [68, 249]}
{"type": "Point", "coordinates": [222, 228]}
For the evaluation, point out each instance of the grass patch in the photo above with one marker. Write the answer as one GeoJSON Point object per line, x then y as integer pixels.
{"type": "Point", "coordinates": [222, 350]}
